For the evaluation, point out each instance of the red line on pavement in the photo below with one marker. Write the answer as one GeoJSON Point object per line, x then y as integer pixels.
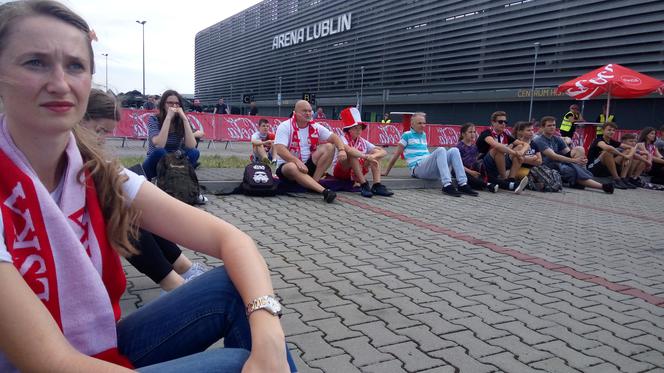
{"type": "Point", "coordinates": [602, 209]}
{"type": "Point", "coordinates": [516, 254]}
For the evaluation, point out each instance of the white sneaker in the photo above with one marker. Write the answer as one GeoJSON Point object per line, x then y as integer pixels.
{"type": "Point", "coordinates": [195, 270]}
{"type": "Point", "coordinates": [522, 185]}
{"type": "Point", "coordinates": [202, 199]}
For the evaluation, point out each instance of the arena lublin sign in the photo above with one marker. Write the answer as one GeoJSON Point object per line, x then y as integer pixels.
{"type": "Point", "coordinates": [321, 29]}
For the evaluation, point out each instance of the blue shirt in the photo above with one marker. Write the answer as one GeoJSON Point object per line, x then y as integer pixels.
{"type": "Point", "coordinates": [173, 142]}
{"type": "Point", "coordinates": [414, 147]}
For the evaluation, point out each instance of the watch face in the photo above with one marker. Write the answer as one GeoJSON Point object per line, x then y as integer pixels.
{"type": "Point", "coordinates": [274, 306]}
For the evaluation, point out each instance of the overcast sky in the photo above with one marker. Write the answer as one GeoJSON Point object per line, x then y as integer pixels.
{"type": "Point", "coordinates": [169, 39]}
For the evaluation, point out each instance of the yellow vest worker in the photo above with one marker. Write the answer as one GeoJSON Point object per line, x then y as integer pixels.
{"type": "Point", "coordinates": [602, 120]}
{"type": "Point", "coordinates": [567, 126]}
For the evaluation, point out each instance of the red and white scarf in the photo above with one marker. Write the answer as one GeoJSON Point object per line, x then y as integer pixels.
{"type": "Point", "coordinates": [62, 251]}
{"type": "Point", "coordinates": [294, 146]}
{"type": "Point", "coordinates": [502, 138]}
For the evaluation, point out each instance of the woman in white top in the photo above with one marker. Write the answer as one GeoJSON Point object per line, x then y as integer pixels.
{"type": "Point", "coordinates": [66, 212]}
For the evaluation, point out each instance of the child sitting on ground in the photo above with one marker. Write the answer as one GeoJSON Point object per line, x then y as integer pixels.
{"type": "Point", "coordinates": [469, 153]}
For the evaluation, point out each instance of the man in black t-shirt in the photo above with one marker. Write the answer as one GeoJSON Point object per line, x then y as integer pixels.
{"type": "Point", "coordinates": [496, 150]}
{"type": "Point", "coordinates": [196, 106]}
{"type": "Point", "coordinates": [221, 107]}
{"type": "Point", "coordinates": [253, 109]}
{"type": "Point", "coordinates": [604, 158]}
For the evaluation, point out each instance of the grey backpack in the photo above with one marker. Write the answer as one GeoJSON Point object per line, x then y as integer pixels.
{"type": "Point", "coordinates": [544, 179]}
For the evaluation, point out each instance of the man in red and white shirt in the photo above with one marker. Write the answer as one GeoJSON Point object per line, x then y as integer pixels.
{"type": "Point", "coordinates": [302, 158]}
{"type": "Point", "coordinates": [362, 156]}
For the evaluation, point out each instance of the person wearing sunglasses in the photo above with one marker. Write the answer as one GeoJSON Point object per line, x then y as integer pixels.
{"type": "Point", "coordinates": [500, 153]}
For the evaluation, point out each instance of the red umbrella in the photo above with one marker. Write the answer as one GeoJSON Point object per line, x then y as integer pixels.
{"type": "Point", "coordinates": [616, 80]}
{"type": "Point", "coordinates": [613, 79]}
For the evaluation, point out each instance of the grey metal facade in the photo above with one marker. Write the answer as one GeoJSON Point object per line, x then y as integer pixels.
{"type": "Point", "coordinates": [458, 60]}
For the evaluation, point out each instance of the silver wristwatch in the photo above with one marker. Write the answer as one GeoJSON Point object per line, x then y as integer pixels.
{"type": "Point", "coordinates": [267, 302]}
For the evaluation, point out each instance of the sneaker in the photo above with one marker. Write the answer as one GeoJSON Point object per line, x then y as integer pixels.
{"type": "Point", "coordinates": [636, 181]}
{"type": "Point", "coordinates": [467, 190]}
{"type": "Point", "coordinates": [627, 183]}
{"type": "Point", "coordinates": [329, 195]}
{"type": "Point", "coordinates": [618, 184]}
{"type": "Point", "coordinates": [381, 190]}
{"type": "Point", "coordinates": [608, 188]}
{"type": "Point", "coordinates": [521, 186]}
{"type": "Point", "coordinates": [201, 200]}
{"type": "Point", "coordinates": [196, 269]}
{"type": "Point", "coordinates": [492, 187]}
{"type": "Point", "coordinates": [365, 190]}
{"type": "Point", "coordinates": [450, 190]}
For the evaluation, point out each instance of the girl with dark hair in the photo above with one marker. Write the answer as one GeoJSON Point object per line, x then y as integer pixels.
{"type": "Point", "coordinates": [655, 161]}
{"type": "Point", "coordinates": [469, 153]}
{"type": "Point", "coordinates": [169, 131]}
{"type": "Point", "coordinates": [67, 212]}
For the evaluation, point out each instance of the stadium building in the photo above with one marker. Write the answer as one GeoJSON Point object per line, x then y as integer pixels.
{"type": "Point", "coordinates": [457, 60]}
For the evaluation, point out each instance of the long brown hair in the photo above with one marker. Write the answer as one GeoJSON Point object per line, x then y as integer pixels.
{"type": "Point", "coordinates": [177, 125]}
{"type": "Point", "coordinates": [105, 171]}
{"type": "Point", "coordinates": [643, 136]}
{"type": "Point", "coordinates": [102, 106]}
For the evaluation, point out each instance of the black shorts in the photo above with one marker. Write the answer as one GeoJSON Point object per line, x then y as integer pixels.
{"type": "Point", "coordinates": [311, 167]}
{"type": "Point", "coordinates": [600, 170]}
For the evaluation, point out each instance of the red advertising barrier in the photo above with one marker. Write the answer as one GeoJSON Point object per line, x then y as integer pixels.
{"type": "Point", "coordinates": [134, 125]}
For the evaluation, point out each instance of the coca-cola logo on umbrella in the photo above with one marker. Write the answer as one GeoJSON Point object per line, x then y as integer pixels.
{"type": "Point", "coordinates": [630, 79]}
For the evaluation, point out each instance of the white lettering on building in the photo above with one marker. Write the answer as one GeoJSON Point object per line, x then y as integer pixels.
{"type": "Point", "coordinates": [321, 29]}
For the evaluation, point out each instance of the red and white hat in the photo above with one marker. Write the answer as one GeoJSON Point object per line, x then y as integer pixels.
{"type": "Point", "coordinates": [350, 117]}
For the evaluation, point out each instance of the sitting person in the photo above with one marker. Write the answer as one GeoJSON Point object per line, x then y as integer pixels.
{"type": "Point", "coordinates": [497, 151]}
{"type": "Point", "coordinates": [261, 143]}
{"type": "Point", "coordinates": [169, 131]}
{"type": "Point", "coordinates": [159, 259]}
{"type": "Point", "coordinates": [654, 165]}
{"type": "Point", "coordinates": [362, 156]}
{"type": "Point", "coordinates": [67, 214]}
{"type": "Point", "coordinates": [558, 156]}
{"type": "Point", "coordinates": [532, 156]}
{"type": "Point", "coordinates": [604, 158]}
{"type": "Point", "coordinates": [638, 162]}
{"type": "Point", "coordinates": [302, 159]}
{"type": "Point", "coordinates": [469, 153]}
{"type": "Point", "coordinates": [435, 165]}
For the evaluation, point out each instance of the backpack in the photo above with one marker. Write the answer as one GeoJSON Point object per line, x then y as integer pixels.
{"type": "Point", "coordinates": [258, 181]}
{"type": "Point", "coordinates": [177, 177]}
{"type": "Point", "coordinates": [544, 179]}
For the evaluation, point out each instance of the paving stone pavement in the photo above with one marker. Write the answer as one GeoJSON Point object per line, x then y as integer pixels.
{"type": "Point", "coordinates": [421, 282]}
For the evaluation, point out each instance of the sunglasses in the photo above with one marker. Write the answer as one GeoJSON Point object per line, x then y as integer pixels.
{"type": "Point", "coordinates": [501, 121]}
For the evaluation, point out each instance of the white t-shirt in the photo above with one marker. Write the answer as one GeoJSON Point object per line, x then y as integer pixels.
{"type": "Point", "coordinates": [368, 148]}
{"type": "Point", "coordinates": [257, 136]}
{"type": "Point", "coordinates": [283, 137]}
{"type": "Point", "coordinates": [129, 188]}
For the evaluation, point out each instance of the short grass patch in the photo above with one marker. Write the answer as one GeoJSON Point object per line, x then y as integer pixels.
{"type": "Point", "coordinates": [216, 161]}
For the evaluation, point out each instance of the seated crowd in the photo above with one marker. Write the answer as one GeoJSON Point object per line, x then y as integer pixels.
{"type": "Point", "coordinates": [495, 159]}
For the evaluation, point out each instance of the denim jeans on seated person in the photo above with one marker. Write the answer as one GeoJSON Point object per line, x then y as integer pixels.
{"type": "Point", "coordinates": [437, 165]}
{"type": "Point", "coordinates": [172, 333]}
{"type": "Point", "coordinates": [150, 162]}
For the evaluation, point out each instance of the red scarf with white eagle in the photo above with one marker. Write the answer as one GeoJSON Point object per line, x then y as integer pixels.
{"type": "Point", "coordinates": [294, 146]}
{"type": "Point", "coordinates": [62, 251]}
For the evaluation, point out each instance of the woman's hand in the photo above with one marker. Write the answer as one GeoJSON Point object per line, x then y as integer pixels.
{"type": "Point", "coordinates": [268, 344]}
{"type": "Point", "coordinates": [171, 112]}
{"type": "Point", "coordinates": [473, 173]}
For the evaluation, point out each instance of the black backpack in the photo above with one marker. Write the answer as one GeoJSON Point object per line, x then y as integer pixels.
{"type": "Point", "coordinates": [177, 177]}
{"type": "Point", "coordinates": [544, 179]}
{"type": "Point", "coordinates": [258, 181]}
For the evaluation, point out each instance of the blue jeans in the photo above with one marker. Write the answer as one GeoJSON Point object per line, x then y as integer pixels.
{"type": "Point", "coordinates": [172, 333]}
{"type": "Point", "coordinates": [437, 165]}
{"type": "Point", "coordinates": [150, 162]}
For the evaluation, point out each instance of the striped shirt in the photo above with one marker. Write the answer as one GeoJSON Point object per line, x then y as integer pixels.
{"type": "Point", "coordinates": [415, 147]}
{"type": "Point", "coordinates": [173, 142]}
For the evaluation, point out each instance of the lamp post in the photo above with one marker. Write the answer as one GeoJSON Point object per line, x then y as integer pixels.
{"type": "Point", "coordinates": [279, 98]}
{"type": "Point", "coordinates": [532, 86]}
{"type": "Point", "coordinates": [142, 23]}
{"type": "Point", "coordinates": [106, 57]}
{"type": "Point", "coordinates": [361, 87]}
